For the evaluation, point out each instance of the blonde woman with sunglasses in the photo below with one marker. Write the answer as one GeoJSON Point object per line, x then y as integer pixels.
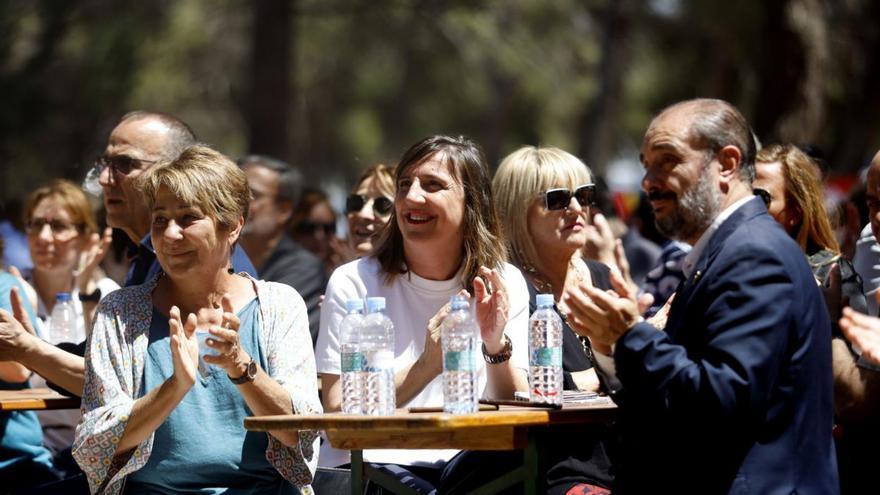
{"type": "Point", "coordinates": [543, 198]}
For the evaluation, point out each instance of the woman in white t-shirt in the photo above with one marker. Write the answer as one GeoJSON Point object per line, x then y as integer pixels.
{"type": "Point", "coordinates": [66, 249]}
{"type": "Point", "coordinates": [443, 238]}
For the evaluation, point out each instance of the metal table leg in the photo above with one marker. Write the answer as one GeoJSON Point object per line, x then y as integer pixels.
{"type": "Point", "coordinates": [357, 472]}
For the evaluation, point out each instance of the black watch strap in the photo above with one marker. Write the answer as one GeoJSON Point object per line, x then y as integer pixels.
{"type": "Point", "coordinates": [249, 374]}
{"type": "Point", "coordinates": [93, 297]}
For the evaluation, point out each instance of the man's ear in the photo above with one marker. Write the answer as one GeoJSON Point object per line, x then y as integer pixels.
{"type": "Point", "coordinates": [730, 158]}
{"type": "Point", "coordinates": [284, 210]}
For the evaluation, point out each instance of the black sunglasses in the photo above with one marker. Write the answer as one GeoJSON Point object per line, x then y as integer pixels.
{"type": "Point", "coordinates": [764, 195]}
{"type": "Point", "coordinates": [122, 164]}
{"type": "Point", "coordinates": [309, 228]}
{"type": "Point", "coordinates": [355, 203]}
{"type": "Point", "coordinates": [559, 199]}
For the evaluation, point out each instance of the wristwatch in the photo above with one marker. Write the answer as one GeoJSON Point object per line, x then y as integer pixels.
{"type": "Point", "coordinates": [503, 355]}
{"type": "Point", "coordinates": [249, 374]}
{"type": "Point", "coordinates": [95, 296]}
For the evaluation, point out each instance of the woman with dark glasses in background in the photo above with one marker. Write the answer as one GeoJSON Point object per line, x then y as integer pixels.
{"type": "Point", "coordinates": [368, 209]}
{"type": "Point", "coordinates": [314, 226]}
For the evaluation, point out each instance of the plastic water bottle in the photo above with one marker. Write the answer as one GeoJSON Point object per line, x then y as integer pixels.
{"type": "Point", "coordinates": [377, 345]}
{"type": "Point", "coordinates": [62, 321]}
{"type": "Point", "coordinates": [352, 358]}
{"type": "Point", "coordinates": [458, 336]}
{"type": "Point", "coordinates": [545, 353]}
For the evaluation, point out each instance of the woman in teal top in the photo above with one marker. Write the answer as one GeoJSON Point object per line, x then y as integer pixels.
{"type": "Point", "coordinates": [24, 461]}
{"type": "Point", "coordinates": [158, 418]}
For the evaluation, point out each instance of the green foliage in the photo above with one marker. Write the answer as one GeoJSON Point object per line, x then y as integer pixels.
{"type": "Point", "coordinates": [371, 77]}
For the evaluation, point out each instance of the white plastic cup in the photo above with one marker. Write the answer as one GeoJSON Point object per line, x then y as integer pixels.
{"type": "Point", "coordinates": [202, 335]}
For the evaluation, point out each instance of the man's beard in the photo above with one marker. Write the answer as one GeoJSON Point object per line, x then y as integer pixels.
{"type": "Point", "coordinates": [693, 212]}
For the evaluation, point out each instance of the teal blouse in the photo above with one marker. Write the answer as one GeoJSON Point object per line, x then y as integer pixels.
{"type": "Point", "coordinates": [202, 447]}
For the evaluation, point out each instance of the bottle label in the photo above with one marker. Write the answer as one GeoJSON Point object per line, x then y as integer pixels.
{"type": "Point", "coordinates": [379, 361]}
{"type": "Point", "coordinates": [352, 362]}
{"type": "Point", "coordinates": [547, 356]}
{"type": "Point", "coordinates": [459, 360]}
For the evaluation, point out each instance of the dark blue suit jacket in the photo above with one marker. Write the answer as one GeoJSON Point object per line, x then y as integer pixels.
{"type": "Point", "coordinates": [736, 395]}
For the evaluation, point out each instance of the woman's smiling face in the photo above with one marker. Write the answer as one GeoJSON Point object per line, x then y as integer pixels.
{"type": "Point", "coordinates": [429, 205]}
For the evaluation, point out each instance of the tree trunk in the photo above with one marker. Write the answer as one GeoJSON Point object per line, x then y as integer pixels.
{"type": "Point", "coordinates": [601, 122]}
{"type": "Point", "coordinates": [270, 103]}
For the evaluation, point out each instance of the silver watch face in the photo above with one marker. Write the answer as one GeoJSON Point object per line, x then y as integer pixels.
{"type": "Point", "coordinates": [252, 370]}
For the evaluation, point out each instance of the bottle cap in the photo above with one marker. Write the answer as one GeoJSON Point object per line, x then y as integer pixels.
{"type": "Point", "coordinates": [458, 302]}
{"type": "Point", "coordinates": [354, 305]}
{"type": "Point", "coordinates": [62, 297]}
{"type": "Point", "coordinates": [544, 300]}
{"type": "Point", "coordinates": [375, 304]}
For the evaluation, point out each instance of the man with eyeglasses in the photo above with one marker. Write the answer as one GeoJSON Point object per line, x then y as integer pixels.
{"type": "Point", "coordinates": [276, 187]}
{"type": "Point", "coordinates": [140, 140]}
{"type": "Point", "coordinates": [735, 396]}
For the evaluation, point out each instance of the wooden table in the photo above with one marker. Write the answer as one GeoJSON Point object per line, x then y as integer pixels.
{"type": "Point", "coordinates": [508, 428]}
{"type": "Point", "coordinates": [35, 399]}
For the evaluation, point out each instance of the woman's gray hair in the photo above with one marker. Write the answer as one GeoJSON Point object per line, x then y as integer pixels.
{"type": "Point", "coordinates": [202, 177]}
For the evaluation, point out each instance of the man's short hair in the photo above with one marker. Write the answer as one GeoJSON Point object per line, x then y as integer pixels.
{"type": "Point", "coordinates": [180, 135]}
{"type": "Point", "coordinates": [289, 179]}
{"type": "Point", "coordinates": [716, 124]}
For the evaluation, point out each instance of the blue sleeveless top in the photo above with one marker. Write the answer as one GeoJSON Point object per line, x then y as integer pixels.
{"type": "Point", "coordinates": [202, 447]}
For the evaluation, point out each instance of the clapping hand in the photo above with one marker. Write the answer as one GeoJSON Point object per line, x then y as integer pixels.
{"type": "Point", "coordinates": [864, 332]}
{"type": "Point", "coordinates": [602, 246]}
{"type": "Point", "coordinates": [433, 352]}
{"type": "Point", "coordinates": [831, 289]}
{"type": "Point", "coordinates": [492, 308]}
{"type": "Point", "coordinates": [29, 291]}
{"type": "Point", "coordinates": [662, 315]}
{"type": "Point", "coordinates": [602, 316]}
{"type": "Point", "coordinates": [184, 347]}
{"type": "Point", "coordinates": [14, 328]}
{"type": "Point", "coordinates": [89, 259]}
{"type": "Point", "coordinates": [225, 340]}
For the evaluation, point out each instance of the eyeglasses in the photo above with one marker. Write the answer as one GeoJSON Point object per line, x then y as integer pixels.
{"type": "Point", "coordinates": [356, 202]}
{"type": "Point", "coordinates": [559, 199]}
{"type": "Point", "coordinates": [35, 226]}
{"type": "Point", "coordinates": [122, 164]}
{"type": "Point", "coordinates": [764, 195]}
{"type": "Point", "coordinates": [309, 228]}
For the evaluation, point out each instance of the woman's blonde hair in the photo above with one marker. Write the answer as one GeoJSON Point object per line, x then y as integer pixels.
{"type": "Point", "coordinates": [803, 191]}
{"type": "Point", "coordinates": [71, 198]}
{"type": "Point", "coordinates": [519, 181]}
{"type": "Point", "coordinates": [202, 177]}
{"type": "Point", "coordinates": [482, 242]}
{"type": "Point", "coordinates": [384, 177]}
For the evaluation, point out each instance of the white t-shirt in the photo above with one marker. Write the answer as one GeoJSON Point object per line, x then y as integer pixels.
{"type": "Point", "coordinates": [410, 302]}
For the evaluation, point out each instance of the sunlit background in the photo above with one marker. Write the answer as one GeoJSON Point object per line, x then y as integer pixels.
{"type": "Point", "coordinates": [334, 86]}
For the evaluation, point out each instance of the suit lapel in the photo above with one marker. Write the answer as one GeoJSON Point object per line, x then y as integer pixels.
{"type": "Point", "coordinates": [686, 288]}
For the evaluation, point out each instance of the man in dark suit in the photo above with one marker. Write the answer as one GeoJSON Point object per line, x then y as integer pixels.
{"type": "Point", "coordinates": [736, 395]}
{"type": "Point", "coordinates": [276, 188]}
